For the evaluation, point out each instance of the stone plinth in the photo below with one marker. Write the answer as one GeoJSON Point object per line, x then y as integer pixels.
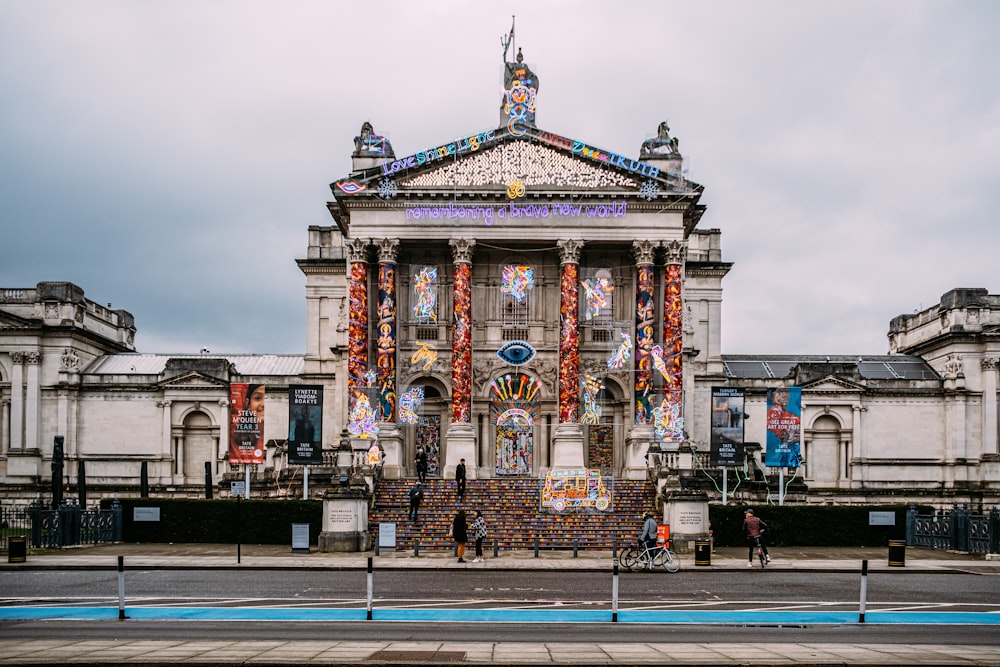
{"type": "Point", "coordinates": [687, 514]}
{"type": "Point", "coordinates": [345, 521]}
{"type": "Point", "coordinates": [460, 443]}
{"type": "Point", "coordinates": [567, 446]}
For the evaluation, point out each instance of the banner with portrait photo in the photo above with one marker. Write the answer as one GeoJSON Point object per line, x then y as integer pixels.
{"type": "Point", "coordinates": [783, 422]}
{"type": "Point", "coordinates": [305, 424]}
{"type": "Point", "coordinates": [727, 426]}
{"type": "Point", "coordinates": [246, 423]}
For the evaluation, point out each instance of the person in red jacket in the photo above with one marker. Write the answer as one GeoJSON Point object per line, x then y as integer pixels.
{"type": "Point", "coordinates": [753, 528]}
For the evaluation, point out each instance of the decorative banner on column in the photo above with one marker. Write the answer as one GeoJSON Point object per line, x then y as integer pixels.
{"type": "Point", "coordinates": [673, 329]}
{"type": "Point", "coordinates": [727, 426]}
{"type": "Point", "coordinates": [357, 342]}
{"type": "Point", "coordinates": [246, 423]}
{"type": "Point", "coordinates": [305, 424]}
{"type": "Point", "coordinates": [784, 415]}
{"type": "Point", "coordinates": [386, 342]}
{"type": "Point", "coordinates": [569, 345]}
{"type": "Point", "coordinates": [461, 347]}
{"type": "Point", "coordinates": [643, 344]}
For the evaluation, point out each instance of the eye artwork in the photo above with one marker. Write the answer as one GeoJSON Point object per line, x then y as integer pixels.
{"type": "Point", "coordinates": [516, 352]}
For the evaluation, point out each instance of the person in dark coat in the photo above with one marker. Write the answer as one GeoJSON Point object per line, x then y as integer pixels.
{"type": "Point", "coordinates": [416, 496]}
{"type": "Point", "coordinates": [460, 533]}
{"type": "Point", "coordinates": [460, 479]}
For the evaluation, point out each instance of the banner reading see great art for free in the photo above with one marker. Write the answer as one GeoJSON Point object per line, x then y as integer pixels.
{"type": "Point", "coordinates": [783, 421]}
{"type": "Point", "coordinates": [246, 423]}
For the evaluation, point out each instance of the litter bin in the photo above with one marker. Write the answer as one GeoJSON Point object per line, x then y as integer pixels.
{"type": "Point", "coordinates": [702, 552]}
{"type": "Point", "coordinates": [17, 549]}
{"type": "Point", "coordinates": [897, 553]}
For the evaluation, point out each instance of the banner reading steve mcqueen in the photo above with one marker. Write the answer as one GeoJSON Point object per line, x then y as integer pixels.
{"type": "Point", "coordinates": [305, 424]}
{"type": "Point", "coordinates": [727, 426]}
{"type": "Point", "coordinates": [246, 423]}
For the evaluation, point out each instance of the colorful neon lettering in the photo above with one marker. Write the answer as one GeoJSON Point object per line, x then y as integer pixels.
{"type": "Point", "coordinates": [463, 145]}
{"type": "Point", "coordinates": [425, 352]}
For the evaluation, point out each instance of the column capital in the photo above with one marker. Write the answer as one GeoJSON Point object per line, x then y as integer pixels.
{"type": "Point", "coordinates": [388, 249]}
{"type": "Point", "coordinates": [357, 250]}
{"type": "Point", "coordinates": [32, 358]}
{"type": "Point", "coordinates": [17, 358]}
{"type": "Point", "coordinates": [989, 363]}
{"type": "Point", "coordinates": [643, 252]}
{"type": "Point", "coordinates": [569, 250]}
{"type": "Point", "coordinates": [676, 251]}
{"type": "Point", "coordinates": [462, 249]}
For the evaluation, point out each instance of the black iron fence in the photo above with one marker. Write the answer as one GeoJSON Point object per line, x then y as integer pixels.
{"type": "Point", "coordinates": [957, 529]}
{"type": "Point", "coordinates": [71, 525]}
{"type": "Point", "coordinates": [14, 522]}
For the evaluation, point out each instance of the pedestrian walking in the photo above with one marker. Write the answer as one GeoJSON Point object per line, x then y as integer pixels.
{"type": "Point", "coordinates": [416, 497]}
{"type": "Point", "coordinates": [421, 461]}
{"type": "Point", "coordinates": [460, 479]}
{"type": "Point", "coordinates": [460, 533]}
{"type": "Point", "coordinates": [479, 534]}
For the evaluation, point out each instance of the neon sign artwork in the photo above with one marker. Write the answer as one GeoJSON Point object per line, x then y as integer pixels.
{"type": "Point", "coordinates": [667, 421]}
{"type": "Point", "coordinates": [425, 285]}
{"type": "Point", "coordinates": [519, 105]}
{"type": "Point", "coordinates": [351, 187]}
{"type": "Point", "coordinates": [592, 386]}
{"type": "Point", "coordinates": [598, 155]}
{"type": "Point", "coordinates": [658, 362]}
{"type": "Point", "coordinates": [425, 352]}
{"type": "Point", "coordinates": [623, 353]}
{"type": "Point", "coordinates": [510, 211]}
{"type": "Point", "coordinates": [597, 292]}
{"type": "Point", "coordinates": [516, 281]}
{"type": "Point", "coordinates": [363, 422]}
{"type": "Point", "coordinates": [409, 404]}
{"type": "Point", "coordinates": [464, 145]}
{"type": "Point", "coordinates": [516, 189]}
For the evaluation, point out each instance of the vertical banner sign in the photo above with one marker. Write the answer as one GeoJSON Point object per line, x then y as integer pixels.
{"type": "Point", "coordinates": [727, 426]}
{"type": "Point", "coordinates": [246, 423]}
{"type": "Point", "coordinates": [305, 424]}
{"type": "Point", "coordinates": [784, 415]}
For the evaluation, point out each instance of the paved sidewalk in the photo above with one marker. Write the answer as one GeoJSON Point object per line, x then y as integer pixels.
{"type": "Point", "coordinates": [226, 652]}
{"type": "Point", "coordinates": [267, 556]}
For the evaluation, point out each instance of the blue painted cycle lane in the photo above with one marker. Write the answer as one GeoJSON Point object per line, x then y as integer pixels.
{"type": "Point", "coordinates": [714, 617]}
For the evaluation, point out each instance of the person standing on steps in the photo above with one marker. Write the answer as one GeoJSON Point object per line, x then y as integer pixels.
{"type": "Point", "coordinates": [460, 479]}
{"type": "Point", "coordinates": [421, 461]}
{"type": "Point", "coordinates": [479, 534]}
{"type": "Point", "coordinates": [416, 497]}
{"type": "Point", "coordinates": [460, 533]}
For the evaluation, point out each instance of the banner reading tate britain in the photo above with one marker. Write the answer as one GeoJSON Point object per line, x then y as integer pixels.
{"type": "Point", "coordinates": [246, 423]}
{"type": "Point", "coordinates": [305, 424]}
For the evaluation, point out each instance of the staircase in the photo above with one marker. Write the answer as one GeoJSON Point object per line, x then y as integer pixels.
{"type": "Point", "coordinates": [513, 514]}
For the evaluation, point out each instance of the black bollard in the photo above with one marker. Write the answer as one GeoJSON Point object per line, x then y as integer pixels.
{"type": "Point", "coordinates": [496, 548]}
{"type": "Point", "coordinates": [536, 547]}
{"type": "Point", "coordinates": [576, 546]}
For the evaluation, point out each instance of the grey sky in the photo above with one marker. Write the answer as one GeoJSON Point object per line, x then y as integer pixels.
{"type": "Point", "coordinates": [168, 156]}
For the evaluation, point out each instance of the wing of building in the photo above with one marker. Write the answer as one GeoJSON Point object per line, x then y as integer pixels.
{"type": "Point", "coordinates": [526, 301]}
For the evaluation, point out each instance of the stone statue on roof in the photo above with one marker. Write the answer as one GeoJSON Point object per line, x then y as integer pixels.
{"type": "Point", "coordinates": [662, 145]}
{"type": "Point", "coordinates": [369, 144]}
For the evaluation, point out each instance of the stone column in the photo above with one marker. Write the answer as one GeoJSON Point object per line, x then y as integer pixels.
{"type": "Point", "coordinates": [567, 441]}
{"type": "Point", "coordinates": [640, 434]}
{"type": "Point", "coordinates": [32, 401]}
{"type": "Point", "coordinates": [990, 426]}
{"type": "Point", "coordinates": [166, 451]}
{"type": "Point", "coordinates": [17, 401]}
{"type": "Point", "coordinates": [4, 426]}
{"type": "Point", "coordinates": [357, 343]}
{"type": "Point", "coordinates": [390, 436]}
{"type": "Point", "coordinates": [461, 435]}
{"type": "Point", "coordinates": [673, 337]}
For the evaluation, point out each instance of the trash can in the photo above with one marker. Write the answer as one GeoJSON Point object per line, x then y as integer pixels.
{"type": "Point", "coordinates": [17, 549]}
{"type": "Point", "coordinates": [702, 552]}
{"type": "Point", "coordinates": [897, 553]}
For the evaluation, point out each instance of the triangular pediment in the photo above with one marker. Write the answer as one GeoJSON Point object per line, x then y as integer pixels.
{"type": "Point", "coordinates": [192, 380]}
{"type": "Point", "coordinates": [832, 384]}
{"type": "Point", "coordinates": [10, 321]}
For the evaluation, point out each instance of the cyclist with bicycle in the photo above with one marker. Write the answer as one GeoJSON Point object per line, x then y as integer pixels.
{"type": "Point", "coordinates": [754, 527]}
{"type": "Point", "coordinates": [648, 536]}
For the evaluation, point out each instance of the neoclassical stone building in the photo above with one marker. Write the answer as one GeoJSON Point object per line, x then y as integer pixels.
{"type": "Point", "coordinates": [525, 301]}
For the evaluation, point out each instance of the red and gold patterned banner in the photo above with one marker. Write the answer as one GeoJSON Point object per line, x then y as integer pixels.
{"type": "Point", "coordinates": [569, 345]}
{"type": "Point", "coordinates": [673, 329]}
{"type": "Point", "coordinates": [461, 347]}
{"type": "Point", "coordinates": [357, 344]}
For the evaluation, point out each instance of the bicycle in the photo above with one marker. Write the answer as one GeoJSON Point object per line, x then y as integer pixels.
{"type": "Point", "coordinates": [760, 551]}
{"type": "Point", "coordinates": [638, 555]}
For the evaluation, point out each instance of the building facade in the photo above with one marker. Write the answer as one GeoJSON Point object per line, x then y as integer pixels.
{"type": "Point", "coordinates": [522, 300]}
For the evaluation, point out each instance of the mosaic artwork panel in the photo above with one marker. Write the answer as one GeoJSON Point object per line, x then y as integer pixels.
{"type": "Point", "coordinates": [429, 435]}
